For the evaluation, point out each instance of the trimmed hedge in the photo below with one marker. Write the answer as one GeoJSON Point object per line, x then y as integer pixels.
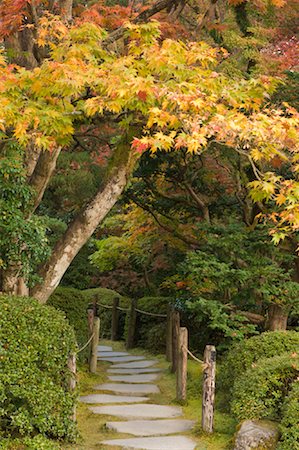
{"type": "Point", "coordinates": [289, 426]}
{"type": "Point", "coordinates": [260, 392]}
{"type": "Point", "coordinates": [35, 342]}
{"type": "Point", "coordinates": [243, 354]}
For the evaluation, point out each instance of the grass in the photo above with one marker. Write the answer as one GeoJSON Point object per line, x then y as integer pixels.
{"type": "Point", "coordinates": [92, 426]}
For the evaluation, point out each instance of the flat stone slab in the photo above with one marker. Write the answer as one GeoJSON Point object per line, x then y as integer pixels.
{"type": "Point", "coordinates": [119, 359]}
{"type": "Point", "coordinates": [129, 389]}
{"type": "Point", "coordinates": [104, 348]}
{"type": "Point", "coordinates": [140, 378]}
{"type": "Point", "coordinates": [107, 398]}
{"type": "Point", "coordinates": [134, 371]}
{"type": "Point", "coordinates": [112, 354]}
{"type": "Point", "coordinates": [134, 365]}
{"type": "Point", "coordinates": [154, 443]}
{"type": "Point", "coordinates": [139, 411]}
{"type": "Point", "coordinates": [151, 427]}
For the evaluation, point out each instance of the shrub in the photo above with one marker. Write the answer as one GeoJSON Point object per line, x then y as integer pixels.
{"type": "Point", "coordinates": [259, 393]}
{"type": "Point", "coordinates": [35, 342]}
{"type": "Point", "coordinates": [38, 442]}
{"type": "Point", "coordinates": [151, 330]}
{"type": "Point", "coordinates": [245, 353]}
{"type": "Point", "coordinates": [289, 426]}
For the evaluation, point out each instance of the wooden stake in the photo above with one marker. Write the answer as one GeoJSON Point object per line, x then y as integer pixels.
{"type": "Point", "coordinates": [115, 317]}
{"type": "Point", "coordinates": [175, 334]}
{"type": "Point", "coordinates": [208, 391]}
{"type": "Point", "coordinates": [169, 334]}
{"type": "Point", "coordinates": [181, 378]}
{"type": "Point", "coordinates": [71, 364]}
{"type": "Point", "coordinates": [132, 325]}
{"type": "Point", "coordinates": [94, 345]}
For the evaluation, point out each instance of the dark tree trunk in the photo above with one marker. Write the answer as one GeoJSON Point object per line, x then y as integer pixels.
{"type": "Point", "coordinates": [277, 318]}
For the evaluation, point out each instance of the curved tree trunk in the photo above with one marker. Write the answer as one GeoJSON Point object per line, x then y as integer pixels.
{"type": "Point", "coordinates": [81, 229]}
{"type": "Point", "coordinates": [277, 318]}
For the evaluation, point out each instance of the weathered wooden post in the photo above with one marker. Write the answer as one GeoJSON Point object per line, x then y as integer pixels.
{"type": "Point", "coordinates": [71, 364]}
{"type": "Point", "coordinates": [181, 377]}
{"type": "Point", "coordinates": [175, 334]}
{"type": "Point", "coordinates": [131, 324]}
{"type": "Point", "coordinates": [208, 391]}
{"type": "Point", "coordinates": [169, 334]}
{"type": "Point", "coordinates": [115, 318]}
{"type": "Point", "coordinates": [94, 345]}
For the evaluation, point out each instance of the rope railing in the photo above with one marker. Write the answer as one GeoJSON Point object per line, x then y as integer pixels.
{"type": "Point", "coordinates": [192, 356]}
{"type": "Point", "coordinates": [85, 345]}
{"type": "Point", "coordinates": [164, 316]}
{"type": "Point", "coordinates": [151, 314]}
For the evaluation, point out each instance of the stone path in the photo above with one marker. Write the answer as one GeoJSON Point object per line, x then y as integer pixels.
{"type": "Point", "coordinates": [155, 426]}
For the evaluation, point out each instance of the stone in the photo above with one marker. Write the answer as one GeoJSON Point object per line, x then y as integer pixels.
{"type": "Point", "coordinates": [119, 359]}
{"type": "Point", "coordinates": [256, 434]}
{"type": "Point", "coordinates": [143, 411]}
{"type": "Point", "coordinates": [107, 398]}
{"type": "Point", "coordinates": [151, 427]}
{"type": "Point", "coordinates": [111, 354]}
{"type": "Point", "coordinates": [154, 443]}
{"type": "Point", "coordinates": [104, 348]}
{"type": "Point", "coordinates": [134, 365]}
{"type": "Point", "coordinates": [140, 378]}
{"type": "Point", "coordinates": [134, 371]}
{"type": "Point", "coordinates": [134, 389]}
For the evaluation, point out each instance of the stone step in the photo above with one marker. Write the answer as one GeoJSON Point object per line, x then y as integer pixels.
{"type": "Point", "coordinates": [104, 348]}
{"type": "Point", "coordinates": [109, 398]}
{"type": "Point", "coordinates": [140, 378]}
{"type": "Point", "coordinates": [112, 354]}
{"type": "Point", "coordinates": [134, 365]}
{"type": "Point", "coordinates": [151, 427]}
{"type": "Point", "coordinates": [129, 389]}
{"type": "Point", "coordinates": [154, 443]}
{"type": "Point", "coordinates": [133, 371]}
{"type": "Point", "coordinates": [143, 411]}
{"type": "Point", "coordinates": [120, 359]}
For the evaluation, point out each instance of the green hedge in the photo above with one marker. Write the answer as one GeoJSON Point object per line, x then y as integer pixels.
{"type": "Point", "coordinates": [151, 331]}
{"type": "Point", "coordinates": [289, 426]}
{"type": "Point", "coordinates": [38, 442]}
{"type": "Point", "coordinates": [35, 342]}
{"type": "Point", "coordinates": [245, 353]}
{"type": "Point", "coordinates": [260, 392]}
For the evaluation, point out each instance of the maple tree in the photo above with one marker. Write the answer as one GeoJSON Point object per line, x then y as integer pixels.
{"type": "Point", "coordinates": [156, 94]}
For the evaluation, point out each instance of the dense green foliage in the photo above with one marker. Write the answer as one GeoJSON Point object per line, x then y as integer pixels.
{"type": "Point", "coordinates": [242, 355]}
{"type": "Point", "coordinates": [36, 443]}
{"type": "Point", "coordinates": [260, 391]}
{"type": "Point", "coordinates": [35, 342]}
{"type": "Point", "coordinates": [289, 426]}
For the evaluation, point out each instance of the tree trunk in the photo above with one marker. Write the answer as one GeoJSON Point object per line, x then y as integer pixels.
{"type": "Point", "coordinates": [277, 318]}
{"type": "Point", "coordinates": [81, 229]}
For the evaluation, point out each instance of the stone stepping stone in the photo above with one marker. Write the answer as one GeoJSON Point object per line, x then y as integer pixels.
{"type": "Point", "coordinates": [107, 398]}
{"type": "Point", "coordinates": [134, 371]}
{"type": "Point", "coordinates": [151, 427]}
{"type": "Point", "coordinates": [143, 411]}
{"type": "Point", "coordinates": [129, 389]}
{"type": "Point", "coordinates": [140, 378]}
{"type": "Point", "coordinates": [134, 365]}
{"type": "Point", "coordinates": [112, 354]}
{"type": "Point", "coordinates": [104, 348]}
{"type": "Point", "coordinates": [154, 443]}
{"type": "Point", "coordinates": [119, 359]}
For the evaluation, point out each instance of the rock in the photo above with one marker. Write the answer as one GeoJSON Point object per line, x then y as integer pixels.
{"type": "Point", "coordinates": [134, 365]}
{"type": "Point", "coordinates": [104, 348]}
{"type": "Point", "coordinates": [143, 411]}
{"type": "Point", "coordinates": [154, 443]}
{"type": "Point", "coordinates": [151, 427]}
{"type": "Point", "coordinates": [129, 389]}
{"type": "Point", "coordinates": [106, 398]}
{"type": "Point", "coordinates": [134, 371]}
{"type": "Point", "coordinates": [139, 378]}
{"type": "Point", "coordinates": [119, 359]}
{"type": "Point", "coordinates": [256, 435]}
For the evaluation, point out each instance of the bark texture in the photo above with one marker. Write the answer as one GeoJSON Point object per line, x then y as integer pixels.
{"type": "Point", "coordinates": [277, 318]}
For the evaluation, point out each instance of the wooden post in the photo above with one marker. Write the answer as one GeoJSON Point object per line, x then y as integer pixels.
{"type": "Point", "coordinates": [175, 334]}
{"type": "Point", "coordinates": [115, 317]}
{"type": "Point", "coordinates": [208, 391]}
{"type": "Point", "coordinates": [131, 325]}
{"type": "Point", "coordinates": [169, 334]}
{"type": "Point", "coordinates": [181, 377]}
{"type": "Point", "coordinates": [71, 364]}
{"type": "Point", "coordinates": [94, 345]}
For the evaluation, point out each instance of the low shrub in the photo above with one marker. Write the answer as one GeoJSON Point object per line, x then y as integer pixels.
{"type": "Point", "coordinates": [289, 426]}
{"type": "Point", "coordinates": [260, 392]}
{"type": "Point", "coordinates": [245, 353]}
{"type": "Point", "coordinates": [38, 442]}
{"type": "Point", "coordinates": [35, 342]}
